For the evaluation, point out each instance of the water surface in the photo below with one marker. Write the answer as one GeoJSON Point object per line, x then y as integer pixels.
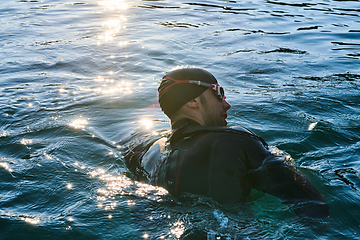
{"type": "Point", "coordinates": [78, 77]}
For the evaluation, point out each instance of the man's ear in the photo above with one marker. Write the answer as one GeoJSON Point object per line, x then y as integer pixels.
{"type": "Point", "coordinates": [192, 104]}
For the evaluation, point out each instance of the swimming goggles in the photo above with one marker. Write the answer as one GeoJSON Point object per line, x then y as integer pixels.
{"type": "Point", "coordinates": [216, 87]}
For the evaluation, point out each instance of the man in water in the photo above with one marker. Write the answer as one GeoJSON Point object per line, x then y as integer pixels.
{"type": "Point", "coordinates": [203, 156]}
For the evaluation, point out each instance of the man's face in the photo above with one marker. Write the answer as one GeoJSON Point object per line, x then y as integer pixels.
{"type": "Point", "coordinates": [213, 109]}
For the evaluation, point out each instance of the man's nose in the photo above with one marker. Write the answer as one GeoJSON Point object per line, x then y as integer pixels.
{"type": "Point", "coordinates": [226, 105]}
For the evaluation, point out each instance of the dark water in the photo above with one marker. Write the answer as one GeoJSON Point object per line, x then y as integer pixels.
{"type": "Point", "coordinates": [77, 77]}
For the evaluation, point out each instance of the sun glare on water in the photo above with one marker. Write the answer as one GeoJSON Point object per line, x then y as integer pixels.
{"type": "Point", "coordinates": [312, 126]}
{"type": "Point", "coordinates": [146, 123]}
{"type": "Point", "coordinates": [25, 141]}
{"type": "Point", "coordinates": [6, 166]}
{"type": "Point", "coordinates": [114, 4]}
{"type": "Point", "coordinates": [79, 123]}
{"type": "Point", "coordinates": [110, 86]}
{"type": "Point", "coordinates": [113, 26]}
{"type": "Point", "coordinates": [30, 220]}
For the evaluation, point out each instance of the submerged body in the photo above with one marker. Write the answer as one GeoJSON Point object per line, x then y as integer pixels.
{"type": "Point", "coordinates": [225, 164]}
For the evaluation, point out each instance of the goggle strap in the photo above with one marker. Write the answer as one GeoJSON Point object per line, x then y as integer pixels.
{"type": "Point", "coordinates": [175, 83]}
{"type": "Point", "coordinates": [199, 83]}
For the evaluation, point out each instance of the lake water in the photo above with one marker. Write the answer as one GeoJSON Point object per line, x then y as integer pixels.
{"type": "Point", "coordinates": [79, 76]}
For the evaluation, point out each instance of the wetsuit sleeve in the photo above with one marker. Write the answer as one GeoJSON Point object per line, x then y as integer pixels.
{"type": "Point", "coordinates": [239, 164]}
{"type": "Point", "coordinates": [280, 179]}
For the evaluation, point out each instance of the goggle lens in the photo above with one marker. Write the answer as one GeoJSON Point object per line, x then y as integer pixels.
{"type": "Point", "coordinates": [219, 91]}
{"type": "Point", "coordinates": [216, 87]}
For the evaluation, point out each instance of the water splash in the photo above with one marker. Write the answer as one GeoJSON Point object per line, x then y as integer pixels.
{"type": "Point", "coordinates": [221, 218]}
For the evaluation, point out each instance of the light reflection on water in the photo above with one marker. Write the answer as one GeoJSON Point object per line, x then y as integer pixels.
{"type": "Point", "coordinates": [115, 25]}
{"type": "Point", "coordinates": [116, 187]}
{"type": "Point", "coordinates": [312, 126]}
{"type": "Point", "coordinates": [114, 4]}
{"type": "Point", "coordinates": [79, 123]}
{"type": "Point", "coordinates": [177, 229]}
{"type": "Point", "coordinates": [104, 60]}
{"type": "Point", "coordinates": [30, 220]}
{"type": "Point", "coordinates": [25, 141]}
{"type": "Point", "coordinates": [6, 166]}
{"type": "Point", "coordinates": [122, 185]}
{"type": "Point", "coordinates": [110, 86]}
{"type": "Point", "coordinates": [146, 123]}
{"type": "Point", "coordinates": [4, 133]}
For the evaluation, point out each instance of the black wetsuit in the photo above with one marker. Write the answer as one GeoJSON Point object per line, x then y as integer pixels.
{"type": "Point", "coordinates": [222, 163]}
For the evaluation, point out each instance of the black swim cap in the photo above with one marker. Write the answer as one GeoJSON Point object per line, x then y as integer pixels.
{"type": "Point", "coordinates": [173, 95]}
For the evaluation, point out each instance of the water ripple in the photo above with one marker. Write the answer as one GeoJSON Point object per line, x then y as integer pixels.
{"type": "Point", "coordinates": [77, 76]}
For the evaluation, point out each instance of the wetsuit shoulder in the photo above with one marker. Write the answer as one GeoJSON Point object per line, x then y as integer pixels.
{"type": "Point", "coordinates": [239, 163]}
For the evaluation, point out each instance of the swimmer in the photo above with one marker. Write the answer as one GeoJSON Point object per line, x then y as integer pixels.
{"type": "Point", "coordinates": [201, 155]}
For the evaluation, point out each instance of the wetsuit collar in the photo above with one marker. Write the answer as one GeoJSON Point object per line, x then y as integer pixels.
{"type": "Point", "coordinates": [185, 122]}
{"type": "Point", "coordinates": [180, 127]}
{"type": "Point", "coordinates": [187, 127]}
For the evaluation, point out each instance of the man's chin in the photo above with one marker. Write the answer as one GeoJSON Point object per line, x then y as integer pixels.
{"type": "Point", "coordinates": [225, 122]}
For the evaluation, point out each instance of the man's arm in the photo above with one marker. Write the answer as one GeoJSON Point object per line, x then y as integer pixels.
{"type": "Point", "coordinates": [242, 163]}
{"type": "Point", "coordinates": [283, 180]}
